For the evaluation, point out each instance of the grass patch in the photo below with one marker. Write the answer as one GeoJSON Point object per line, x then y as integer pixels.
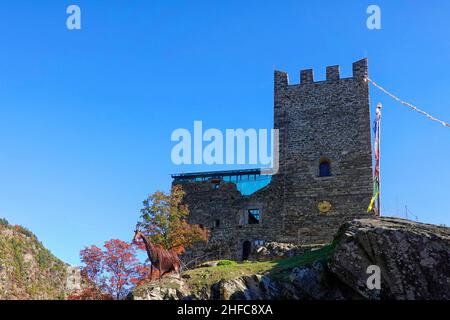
{"type": "Point", "coordinates": [222, 263]}
{"type": "Point", "coordinates": [278, 269]}
{"type": "Point", "coordinates": [283, 268]}
{"type": "Point", "coordinates": [205, 277]}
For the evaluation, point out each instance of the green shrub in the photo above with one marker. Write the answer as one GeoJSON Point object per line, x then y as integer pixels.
{"type": "Point", "coordinates": [222, 263]}
{"type": "Point", "coordinates": [44, 259]}
{"type": "Point", "coordinates": [18, 259]}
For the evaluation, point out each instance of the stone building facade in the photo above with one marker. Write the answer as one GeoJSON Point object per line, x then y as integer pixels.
{"type": "Point", "coordinates": [324, 177]}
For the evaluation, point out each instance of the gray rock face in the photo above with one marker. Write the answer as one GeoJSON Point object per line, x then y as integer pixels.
{"type": "Point", "coordinates": [414, 258]}
{"type": "Point", "coordinates": [315, 283]}
{"type": "Point", "coordinates": [256, 287]}
{"type": "Point", "coordinates": [168, 288]}
{"type": "Point", "coordinates": [277, 250]}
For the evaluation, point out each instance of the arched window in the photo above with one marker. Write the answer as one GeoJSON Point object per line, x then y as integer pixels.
{"type": "Point", "coordinates": [324, 168]}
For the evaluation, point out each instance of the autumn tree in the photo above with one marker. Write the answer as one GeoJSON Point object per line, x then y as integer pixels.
{"type": "Point", "coordinates": [111, 272]}
{"type": "Point", "coordinates": [164, 219]}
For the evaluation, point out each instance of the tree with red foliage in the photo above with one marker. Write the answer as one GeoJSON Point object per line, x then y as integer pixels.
{"type": "Point", "coordinates": [110, 273]}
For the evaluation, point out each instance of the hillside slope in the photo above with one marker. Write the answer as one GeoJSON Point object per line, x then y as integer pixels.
{"type": "Point", "coordinates": [27, 269]}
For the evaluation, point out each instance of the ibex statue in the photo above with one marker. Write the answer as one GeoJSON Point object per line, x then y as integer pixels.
{"type": "Point", "coordinates": [164, 260]}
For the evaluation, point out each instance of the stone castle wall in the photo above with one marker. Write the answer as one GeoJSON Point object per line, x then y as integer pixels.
{"type": "Point", "coordinates": [326, 121]}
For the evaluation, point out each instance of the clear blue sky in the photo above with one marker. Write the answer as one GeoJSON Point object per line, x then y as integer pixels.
{"type": "Point", "coordinates": [86, 116]}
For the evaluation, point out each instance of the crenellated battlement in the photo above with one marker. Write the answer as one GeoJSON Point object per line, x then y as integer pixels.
{"type": "Point", "coordinates": [360, 70]}
{"type": "Point", "coordinates": [306, 76]}
{"type": "Point", "coordinates": [333, 73]}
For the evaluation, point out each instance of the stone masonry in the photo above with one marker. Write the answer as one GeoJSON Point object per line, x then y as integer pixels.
{"type": "Point", "coordinates": [322, 125]}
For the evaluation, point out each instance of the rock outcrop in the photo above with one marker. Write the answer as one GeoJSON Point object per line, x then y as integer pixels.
{"type": "Point", "coordinates": [277, 250]}
{"type": "Point", "coordinates": [413, 260]}
{"type": "Point", "coordinates": [168, 288]}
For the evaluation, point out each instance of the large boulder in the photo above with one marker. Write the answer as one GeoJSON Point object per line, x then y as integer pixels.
{"type": "Point", "coordinates": [414, 258]}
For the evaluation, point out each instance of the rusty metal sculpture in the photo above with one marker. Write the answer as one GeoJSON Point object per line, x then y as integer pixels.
{"type": "Point", "coordinates": [164, 260]}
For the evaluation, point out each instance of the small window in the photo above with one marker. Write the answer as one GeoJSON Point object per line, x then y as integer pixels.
{"type": "Point", "coordinates": [216, 186]}
{"type": "Point", "coordinates": [217, 223]}
{"type": "Point", "coordinates": [324, 168]}
{"type": "Point", "coordinates": [254, 216]}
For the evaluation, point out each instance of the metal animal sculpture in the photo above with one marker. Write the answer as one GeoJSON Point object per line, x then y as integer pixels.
{"type": "Point", "coordinates": [164, 260]}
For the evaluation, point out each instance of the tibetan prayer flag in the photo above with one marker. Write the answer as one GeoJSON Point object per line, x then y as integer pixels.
{"type": "Point", "coordinates": [376, 150]}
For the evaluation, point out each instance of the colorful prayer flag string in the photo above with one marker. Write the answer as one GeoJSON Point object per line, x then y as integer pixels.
{"type": "Point", "coordinates": [376, 149]}
{"type": "Point", "coordinates": [408, 104]}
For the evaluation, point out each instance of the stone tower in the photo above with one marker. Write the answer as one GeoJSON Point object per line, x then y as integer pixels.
{"type": "Point", "coordinates": [326, 125]}
{"type": "Point", "coordinates": [324, 177]}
